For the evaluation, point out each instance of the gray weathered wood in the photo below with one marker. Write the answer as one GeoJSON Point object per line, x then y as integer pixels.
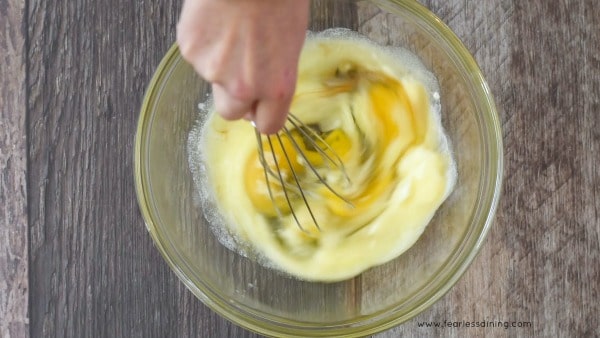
{"type": "Point", "coordinates": [13, 150]}
{"type": "Point", "coordinates": [541, 261]}
{"type": "Point", "coordinates": [93, 270]}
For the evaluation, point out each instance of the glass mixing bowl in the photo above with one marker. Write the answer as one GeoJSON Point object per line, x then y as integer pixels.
{"type": "Point", "coordinates": [268, 302]}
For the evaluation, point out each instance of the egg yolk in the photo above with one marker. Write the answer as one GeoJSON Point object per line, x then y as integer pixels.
{"type": "Point", "coordinates": [393, 119]}
{"type": "Point", "coordinates": [285, 160]}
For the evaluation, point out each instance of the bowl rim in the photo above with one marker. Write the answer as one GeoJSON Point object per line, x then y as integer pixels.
{"type": "Point", "coordinates": [248, 319]}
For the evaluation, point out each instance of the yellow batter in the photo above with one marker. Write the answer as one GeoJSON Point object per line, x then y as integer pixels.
{"type": "Point", "coordinates": [376, 115]}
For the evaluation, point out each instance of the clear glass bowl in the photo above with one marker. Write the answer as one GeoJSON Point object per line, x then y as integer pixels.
{"type": "Point", "coordinates": [264, 300]}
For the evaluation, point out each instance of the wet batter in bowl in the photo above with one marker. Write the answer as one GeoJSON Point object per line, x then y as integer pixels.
{"type": "Point", "coordinates": [378, 109]}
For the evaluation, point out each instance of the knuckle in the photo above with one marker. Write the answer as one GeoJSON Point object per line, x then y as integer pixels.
{"type": "Point", "coordinates": [282, 90]}
{"type": "Point", "coordinates": [210, 74]}
{"type": "Point", "coordinates": [212, 67]}
{"type": "Point", "coordinates": [240, 89]}
{"type": "Point", "coordinates": [208, 66]}
{"type": "Point", "coordinates": [185, 44]}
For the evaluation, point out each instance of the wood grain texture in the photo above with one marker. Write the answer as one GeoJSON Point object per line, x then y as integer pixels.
{"type": "Point", "coordinates": [13, 164]}
{"type": "Point", "coordinates": [93, 270]}
{"type": "Point", "coordinates": [541, 262]}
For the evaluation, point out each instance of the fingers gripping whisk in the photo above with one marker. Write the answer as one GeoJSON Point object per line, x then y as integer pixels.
{"type": "Point", "coordinates": [287, 156]}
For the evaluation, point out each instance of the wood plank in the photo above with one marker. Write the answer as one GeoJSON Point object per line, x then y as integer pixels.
{"type": "Point", "coordinates": [14, 320]}
{"type": "Point", "coordinates": [94, 271]}
{"type": "Point", "coordinates": [541, 261]}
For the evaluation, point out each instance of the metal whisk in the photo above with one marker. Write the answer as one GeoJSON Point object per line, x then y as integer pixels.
{"type": "Point", "coordinates": [275, 176]}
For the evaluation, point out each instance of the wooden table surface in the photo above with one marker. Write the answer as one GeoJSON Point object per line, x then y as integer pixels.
{"type": "Point", "coordinates": [77, 261]}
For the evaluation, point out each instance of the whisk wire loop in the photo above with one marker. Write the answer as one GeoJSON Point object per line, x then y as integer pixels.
{"type": "Point", "coordinates": [275, 175]}
{"type": "Point", "coordinates": [266, 169]}
{"type": "Point", "coordinates": [312, 168]}
{"type": "Point", "coordinates": [311, 135]}
{"type": "Point", "coordinates": [287, 158]}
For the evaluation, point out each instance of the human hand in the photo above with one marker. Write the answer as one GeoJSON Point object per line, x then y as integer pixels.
{"type": "Point", "coordinates": [249, 51]}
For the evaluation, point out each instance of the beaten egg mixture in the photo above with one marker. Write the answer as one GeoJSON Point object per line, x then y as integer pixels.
{"type": "Point", "coordinates": [373, 107]}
